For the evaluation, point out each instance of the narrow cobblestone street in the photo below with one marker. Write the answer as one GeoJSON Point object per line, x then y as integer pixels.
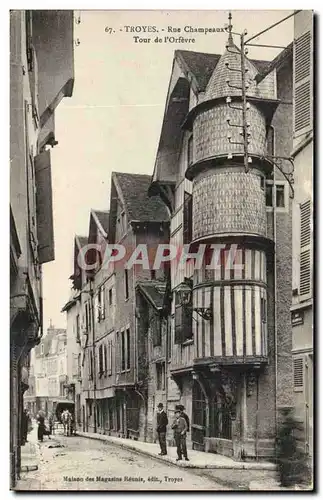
{"type": "Point", "coordinates": [77, 463]}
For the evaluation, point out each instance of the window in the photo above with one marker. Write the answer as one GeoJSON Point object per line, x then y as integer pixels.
{"type": "Point", "coordinates": [97, 305]}
{"type": "Point", "coordinates": [305, 249]}
{"type": "Point", "coordinates": [29, 40]}
{"type": "Point", "coordinates": [303, 83]}
{"type": "Point", "coordinates": [91, 367]}
{"type": "Point", "coordinates": [79, 374]}
{"type": "Point", "coordinates": [298, 374]}
{"type": "Point", "coordinates": [100, 360]}
{"type": "Point", "coordinates": [105, 360]}
{"type": "Point", "coordinates": [78, 328]}
{"type": "Point", "coordinates": [269, 195]}
{"type": "Point", "coordinates": [155, 325]}
{"type": "Point", "coordinates": [110, 357]}
{"type": "Point", "coordinates": [123, 351]}
{"type": "Point", "coordinates": [279, 194]}
{"type": "Point", "coordinates": [118, 353]}
{"type": "Point", "coordinates": [190, 151]}
{"type": "Point", "coordinates": [183, 322]}
{"type": "Point", "coordinates": [187, 223]}
{"type": "Point", "coordinates": [110, 297]}
{"type": "Point", "coordinates": [102, 303]}
{"type": "Point", "coordinates": [128, 349]}
{"type": "Point", "coordinates": [263, 306]}
{"type": "Point", "coordinates": [160, 376]}
{"type": "Point", "coordinates": [153, 274]}
{"type": "Point", "coordinates": [271, 141]}
{"type": "Point", "coordinates": [126, 284]}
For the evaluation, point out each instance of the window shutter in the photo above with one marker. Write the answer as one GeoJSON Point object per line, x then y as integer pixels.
{"type": "Point", "coordinates": [298, 372]}
{"type": "Point", "coordinates": [305, 286]}
{"type": "Point", "coordinates": [44, 208]}
{"type": "Point", "coordinates": [303, 84]}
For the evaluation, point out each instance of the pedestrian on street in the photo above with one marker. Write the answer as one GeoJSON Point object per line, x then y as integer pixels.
{"type": "Point", "coordinates": [184, 415]}
{"type": "Point", "coordinates": [25, 423]}
{"type": "Point", "coordinates": [180, 429]}
{"type": "Point", "coordinates": [41, 427]}
{"type": "Point", "coordinates": [162, 422]}
{"type": "Point", "coordinates": [51, 419]}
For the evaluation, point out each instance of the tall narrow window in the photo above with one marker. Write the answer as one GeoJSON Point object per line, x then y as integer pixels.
{"type": "Point", "coordinates": [106, 368]}
{"type": "Point", "coordinates": [188, 214]}
{"type": "Point", "coordinates": [126, 284]}
{"type": "Point", "coordinates": [190, 151]}
{"type": "Point", "coordinates": [305, 249]}
{"type": "Point", "coordinates": [102, 302]}
{"type": "Point", "coordinates": [269, 195]}
{"type": "Point", "coordinates": [100, 360]}
{"type": "Point", "coordinates": [123, 351]}
{"type": "Point", "coordinates": [280, 196]}
{"type": "Point", "coordinates": [77, 328]}
{"type": "Point", "coordinates": [128, 349]}
{"type": "Point", "coordinates": [270, 141]}
{"type": "Point", "coordinates": [110, 297]}
{"type": "Point", "coordinates": [91, 367]}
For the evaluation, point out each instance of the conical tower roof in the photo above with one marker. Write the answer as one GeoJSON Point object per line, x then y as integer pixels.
{"type": "Point", "coordinates": [218, 86]}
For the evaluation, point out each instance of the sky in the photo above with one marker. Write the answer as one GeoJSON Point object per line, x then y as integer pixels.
{"type": "Point", "coordinates": [113, 120]}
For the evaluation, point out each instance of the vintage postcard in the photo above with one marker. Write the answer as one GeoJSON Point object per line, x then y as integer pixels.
{"type": "Point", "coordinates": [161, 250]}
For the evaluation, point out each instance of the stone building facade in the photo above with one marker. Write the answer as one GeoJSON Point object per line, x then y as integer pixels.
{"type": "Point", "coordinates": [113, 398]}
{"type": "Point", "coordinates": [47, 381]}
{"type": "Point", "coordinates": [303, 243]}
{"type": "Point", "coordinates": [230, 362]}
{"type": "Point", "coordinates": [41, 74]}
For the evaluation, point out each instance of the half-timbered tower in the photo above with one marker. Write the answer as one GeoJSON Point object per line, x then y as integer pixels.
{"type": "Point", "coordinates": [230, 362]}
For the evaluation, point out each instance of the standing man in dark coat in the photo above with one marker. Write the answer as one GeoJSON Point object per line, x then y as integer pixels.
{"type": "Point", "coordinates": [180, 429]}
{"type": "Point", "coordinates": [162, 422]}
{"type": "Point", "coordinates": [184, 415]}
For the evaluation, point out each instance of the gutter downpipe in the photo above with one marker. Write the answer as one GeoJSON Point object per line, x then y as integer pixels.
{"type": "Point", "coordinates": [275, 299]}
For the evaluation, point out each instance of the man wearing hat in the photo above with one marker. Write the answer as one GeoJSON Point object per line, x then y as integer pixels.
{"type": "Point", "coordinates": [162, 422]}
{"type": "Point", "coordinates": [184, 415]}
{"type": "Point", "coordinates": [180, 429]}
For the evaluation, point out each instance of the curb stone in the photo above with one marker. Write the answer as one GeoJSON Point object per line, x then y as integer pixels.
{"type": "Point", "coordinates": [128, 446]}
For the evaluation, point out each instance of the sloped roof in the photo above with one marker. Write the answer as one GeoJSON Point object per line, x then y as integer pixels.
{"type": "Point", "coordinates": [154, 291]}
{"type": "Point", "coordinates": [288, 51]}
{"type": "Point", "coordinates": [229, 68]}
{"type": "Point", "coordinates": [83, 240]}
{"type": "Point", "coordinates": [134, 189]}
{"type": "Point", "coordinates": [103, 217]}
{"type": "Point", "coordinates": [202, 65]}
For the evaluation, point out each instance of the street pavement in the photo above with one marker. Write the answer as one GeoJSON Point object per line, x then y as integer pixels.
{"type": "Point", "coordinates": [78, 463]}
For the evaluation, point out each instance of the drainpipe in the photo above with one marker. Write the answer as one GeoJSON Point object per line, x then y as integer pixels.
{"type": "Point", "coordinates": [257, 419]}
{"type": "Point", "coordinates": [275, 299]}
